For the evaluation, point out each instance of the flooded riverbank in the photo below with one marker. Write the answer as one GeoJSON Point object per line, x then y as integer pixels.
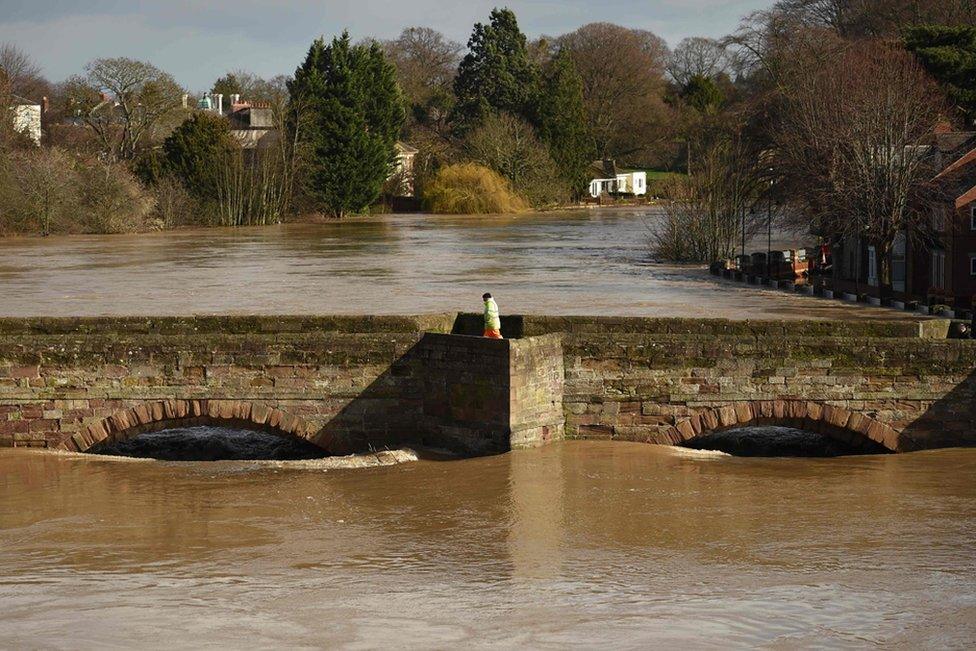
{"type": "Point", "coordinates": [578, 544]}
{"type": "Point", "coordinates": [586, 262]}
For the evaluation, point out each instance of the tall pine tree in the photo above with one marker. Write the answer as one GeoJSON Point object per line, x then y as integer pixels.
{"type": "Point", "coordinates": [496, 75]}
{"type": "Point", "coordinates": [560, 119]}
{"type": "Point", "coordinates": [346, 114]}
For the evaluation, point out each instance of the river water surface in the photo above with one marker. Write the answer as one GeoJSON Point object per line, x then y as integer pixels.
{"type": "Point", "coordinates": [580, 544]}
{"type": "Point", "coordinates": [584, 262]}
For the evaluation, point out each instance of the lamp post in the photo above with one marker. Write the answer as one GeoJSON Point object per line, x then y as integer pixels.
{"type": "Point", "coordinates": [742, 213]}
{"type": "Point", "coordinates": [769, 236]}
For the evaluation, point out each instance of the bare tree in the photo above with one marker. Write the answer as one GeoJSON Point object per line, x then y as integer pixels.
{"type": "Point", "coordinates": [853, 145]}
{"type": "Point", "coordinates": [697, 57]}
{"type": "Point", "coordinates": [22, 76]}
{"type": "Point", "coordinates": [876, 18]}
{"type": "Point", "coordinates": [46, 181]}
{"type": "Point", "coordinates": [20, 79]}
{"type": "Point", "coordinates": [509, 146]}
{"type": "Point", "coordinates": [125, 102]}
{"type": "Point", "coordinates": [426, 62]}
{"type": "Point", "coordinates": [707, 215]}
{"type": "Point", "coordinates": [622, 71]}
{"type": "Point", "coordinates": [776, 47]}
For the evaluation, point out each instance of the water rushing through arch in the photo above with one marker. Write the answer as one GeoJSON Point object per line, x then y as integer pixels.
{"type": "Point", "coordinates": [210, 443]}
{"type": "Point", "coordinates": [775, 441]}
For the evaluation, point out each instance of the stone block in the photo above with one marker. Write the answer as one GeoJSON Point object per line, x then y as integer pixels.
{"type": "Point", "coordinates": [743, 412]}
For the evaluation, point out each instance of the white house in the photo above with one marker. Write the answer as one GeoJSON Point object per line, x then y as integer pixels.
{"type": "Point", "coordinates": [27, 118]}
{"type": "Point", "coordinates": [403, 168]}
{"type": "Point", "coordinates": [631, 183]}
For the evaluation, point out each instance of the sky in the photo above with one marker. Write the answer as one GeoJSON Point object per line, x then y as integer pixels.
{"type": "Point", "coordinates": [197, 41]}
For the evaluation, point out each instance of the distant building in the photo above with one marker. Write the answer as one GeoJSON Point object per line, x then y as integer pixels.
{"type": "Point", "coordinates": [27, 118]}
{"type": "Point", "coordinates": [253, 124]}
{"type": "Point", "coordinates": [939, 271]}
{"type": "Point", "coordinates": [403, 168]}
{"type": "Point", "coordinates": [611, 181]}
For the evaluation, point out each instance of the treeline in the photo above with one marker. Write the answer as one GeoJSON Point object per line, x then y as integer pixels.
{"type": "Point", "coordinates": [752, 123]}
{"type": "Point", "coordinates": [821, 115]}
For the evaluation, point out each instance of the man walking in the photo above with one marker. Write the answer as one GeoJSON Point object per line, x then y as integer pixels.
{"type": "Point", "coordinates": [493, 323]}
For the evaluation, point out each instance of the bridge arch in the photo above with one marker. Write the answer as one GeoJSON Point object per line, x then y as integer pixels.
{"type": "Point", "coordinates": [852, 427]}
{"type": "Point", "coordinates": [160, 415]}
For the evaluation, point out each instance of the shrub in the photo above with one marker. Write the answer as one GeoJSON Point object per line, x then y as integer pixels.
{"type": "Point", "coordinates": [469, 188]}
{"type": "Point", "coordinates": [45, 191]}
{"type": "Point", "coordinates": [173, 204]}
{"type": "Point", "coordinates": [112, 200]}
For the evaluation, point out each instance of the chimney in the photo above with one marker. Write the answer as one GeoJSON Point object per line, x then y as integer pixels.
{"type": "Point", "coordinates": [220, 103]}
{"type": "Point", "coordinates": [45, 105]}
{"type": "Point", "coordinates": [235, 99]}
{"type": "Point", "coordinates": [186, 100]}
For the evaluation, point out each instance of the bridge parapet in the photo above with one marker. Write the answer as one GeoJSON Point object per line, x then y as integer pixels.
{"type": "Point", "coordinates": [348, 383]}
{"type": "Point", "coordinates": [74, 383]}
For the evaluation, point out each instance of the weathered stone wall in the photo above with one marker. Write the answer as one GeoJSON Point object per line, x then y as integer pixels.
{"type": "Point", "coordinates": [518, 326]}
{"type": "Point", "coordinates": [341, 388]}
{"type": "Point", "coordinates": [346, 383]}
{"type": "Point", "coordinates": [465, 395]}
{"type": "Point", "coordinates": [537, 376]}
{"type": "Point", "coordinates": [910, 392]}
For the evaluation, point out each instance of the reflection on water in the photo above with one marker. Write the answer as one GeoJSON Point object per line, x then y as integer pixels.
{"type": "Point", "coordinates": [777, 442]}
{"type": "Point", "coordinates": [205, 443]}
{"type": "Point", "coordinates": [583, 262]}
{"type": "Point", "coordinates": [583, 543]}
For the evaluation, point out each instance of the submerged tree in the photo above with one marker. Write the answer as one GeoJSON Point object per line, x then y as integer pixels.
{"type": "Point", "coordinates": [346, 114]}
{"type": "Point", "coordinates": [196, 151]}
{"type": "Point", "coordinates": [509, 146]}
{"type": "Point", "coordinates": [708, 214]}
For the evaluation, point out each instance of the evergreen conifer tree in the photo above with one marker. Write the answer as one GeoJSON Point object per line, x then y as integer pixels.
{"type": "Point", "coordinates": [948, 52]}
{"type": "Point", "coordinates": [196, 151]}
{"type": "Point", "coordinates": [346, 114]}
{"type": "Point", "coordinates": [560, 119]}
{"type": "Point", "coordinates": [496, 75]}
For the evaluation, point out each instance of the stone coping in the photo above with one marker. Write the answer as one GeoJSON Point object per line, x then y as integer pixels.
{"type": "Point", "coordinates": [513, 326]}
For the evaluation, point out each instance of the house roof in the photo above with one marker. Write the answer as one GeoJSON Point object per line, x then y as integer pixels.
{"type": "Point", "coordinates": [966, 198]}
{"type": "Point", "coordinates": [949, 142]}
{"type": "Point", "coordinates": [405, 148]}
{"type": "Point", "coordinates": [17, 100]}
{"type": "Point", "coordinates": [967, 159]}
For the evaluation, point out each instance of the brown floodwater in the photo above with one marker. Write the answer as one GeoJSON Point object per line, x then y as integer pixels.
{"type": "Point", "coordinates": [580, 544]}
{"type": "Point", "coordinates": [575, 262]}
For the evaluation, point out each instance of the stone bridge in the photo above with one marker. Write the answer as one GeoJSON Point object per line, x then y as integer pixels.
{"type": "Point", "coordinates": [353, 383]}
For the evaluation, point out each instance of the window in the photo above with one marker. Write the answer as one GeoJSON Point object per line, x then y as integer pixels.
{"type": "Point", "coordinates": [938, 269]}
{"type": "Point", "coordinates": [972, 218]}
{"type": "Point", "coordinates": [972, 264]}
{"type": "Point", "coordinates": [872, 266]}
